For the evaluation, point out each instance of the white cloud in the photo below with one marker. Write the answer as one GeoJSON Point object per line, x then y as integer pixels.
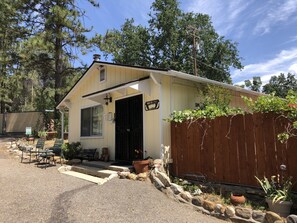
{"type": "Point", "coordinates": [225, 14]}
{"type": "Point", "coordinates": [284, 62]}
{"type": "Point", "coordinates": [274, 12]}
{"type": "Point", "coordinates": [293, 68]}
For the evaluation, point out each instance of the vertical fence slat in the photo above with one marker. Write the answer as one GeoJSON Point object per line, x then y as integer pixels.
{"type": "Point", "coordinates": [250, 148]}
{"type": "Point", "coordinates": [259, 144]}
{"type": "Point", "coordinates": [244, 172]}
{"type": "Point", "coordinates": [227, 171]}
{"type": "Point", "coordinates": [233, 149]}
{"type": "Point", "coordinates": [207, 150]}
{"type": "Point", "coordinates": [218, 150]}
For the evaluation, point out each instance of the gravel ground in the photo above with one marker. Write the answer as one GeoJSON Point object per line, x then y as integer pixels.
{"type": "Point", "coordinates": [31, 194]}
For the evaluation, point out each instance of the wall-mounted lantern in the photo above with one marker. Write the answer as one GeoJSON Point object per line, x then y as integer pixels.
{"type": "Point", "coordinates": [152, 105]}
{"type": "Point", "coordinates": [108, 99]}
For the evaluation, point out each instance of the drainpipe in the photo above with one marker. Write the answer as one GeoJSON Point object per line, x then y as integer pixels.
{"type": "Point", "coordinates": [62, 124]}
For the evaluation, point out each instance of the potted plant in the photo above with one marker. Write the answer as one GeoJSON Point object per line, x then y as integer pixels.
{"type": "Point", "coordinates": [278, 193]}
{"type": "Point", "coordinates": [42, 134]}
{"type": "Point", "coordinates": [237, 198]}
{"type": "Point", "coordinates": [140, 165]}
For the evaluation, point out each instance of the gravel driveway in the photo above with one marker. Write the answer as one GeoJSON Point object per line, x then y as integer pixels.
{"type": "Point", "coordinates": [31, 194]}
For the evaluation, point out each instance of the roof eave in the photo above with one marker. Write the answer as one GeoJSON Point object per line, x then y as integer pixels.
{"type": "Point", "coordinates": [186, 76]}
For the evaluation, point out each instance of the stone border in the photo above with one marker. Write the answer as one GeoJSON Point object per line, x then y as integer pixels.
{"type": "Point", "coordinates": [226, 212]}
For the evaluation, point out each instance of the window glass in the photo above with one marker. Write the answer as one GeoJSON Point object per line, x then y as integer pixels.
{"type": "Point", "coordinates": [92, 121]}
{"type": "Point", "coordinates": [102, 75]}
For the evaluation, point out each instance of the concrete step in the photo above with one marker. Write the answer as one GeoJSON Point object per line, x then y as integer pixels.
{"type": "Point", "coordinates": [86, 177]}
{"type": "Point", "coordinates": [105, 165]}
{"type": "Point", "coordinates": [95, 175]}
{"type": "Point", "coordinates": [93, 171]}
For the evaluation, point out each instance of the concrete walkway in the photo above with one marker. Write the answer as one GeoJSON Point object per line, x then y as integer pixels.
{"type": "Point", "coordinates": [31, 194]}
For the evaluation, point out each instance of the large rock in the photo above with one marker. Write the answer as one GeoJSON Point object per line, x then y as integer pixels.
{"type": "Point", "coordinates": [292, 218]}
{"type": "Point", "coordinates": [208, 205]}
{"type": "Point", "coordinates": [272, 217]}
{"type": "Point", "coordinates": [132, 176]}
{"type": "Point", "coordinates": [230, 211]}
{"type": "Point", "coordinates": [123, 174]}
{"type": "Point", "coordinates": [243, 212]}
{"type": "Point", "coordinates": [220, 209]}
{"type": "Point", "coordinates": [162, 177]}
{"type": "Point", "coordinates": [186, 196]}
{"type": "Point", "coordinates": [142, 176]}
{"type": "Point", "coordinates": [158, 164]}
{"type": "Point", "coordinates": [241, 220]}
{"type": "Point", "coordinates": [177, 189]}
{"type": "Point", "coordinates": [157, 182]}
{"type": "Point", "coordinates": [258, 215]}
{"type": "Point", "coordinates": [197, 201]}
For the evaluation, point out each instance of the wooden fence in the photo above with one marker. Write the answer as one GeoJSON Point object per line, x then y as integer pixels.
{"type": "Point", "coordinates": [233, 149]}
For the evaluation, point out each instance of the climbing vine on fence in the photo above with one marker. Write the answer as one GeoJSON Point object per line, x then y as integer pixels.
{"type": "Point", "coordinates": [267, 103]}
{"type": "Point", "coordinates": [286, 108]}
{"type": "Point", "coordinates": [215, 103]}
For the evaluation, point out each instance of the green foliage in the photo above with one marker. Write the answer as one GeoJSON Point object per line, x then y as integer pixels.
{"type": "Point", "coordinates": [168, 43]}
{"type": "Point", "coordinates": [215, 103]}
{"type": "Point", "coordinates": [214, 95]}
{"type": "Point", "coordinates": [71, 150]}
{"type": "Point", "coordinates": [281, 85]}
{"type": "Point", "coordinates": [284, 107]}
{"type": "Point", "coordinates": [254, 85]}
{"type": "Point", "coordinates": [42, 134]}
{"type": "Point", "coordinates": [187, 186]}
{"type": "Point", "coordinates": [12, 32]}
{"type": "Point", "coordinates": [266, 103]}
{"type": "Point", "coordinates": [40, 41]}
{"type": "Point", "coordinates": [209, 112]}
{"type": "Point", "coordinates": [277, 188]}
{"type": "Point", "coordinates": [131, 39]}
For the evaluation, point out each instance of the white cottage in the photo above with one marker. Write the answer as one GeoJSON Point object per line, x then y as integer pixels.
{"type": "Point", "coordinates": [123, 107]}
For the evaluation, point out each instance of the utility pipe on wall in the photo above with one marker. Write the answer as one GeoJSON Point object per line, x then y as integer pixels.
{"type": "Point", "coordinates": [62, 123]}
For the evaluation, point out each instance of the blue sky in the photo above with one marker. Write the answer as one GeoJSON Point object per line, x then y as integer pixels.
{"type": "Point", "coordinates": [266, 31]}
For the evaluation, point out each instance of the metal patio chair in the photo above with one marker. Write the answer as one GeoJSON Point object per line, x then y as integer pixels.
{"type": "Point", "coordinates": [49, 154]}
{"type": "Point", "coordinates": [38, 148]}
{"type": "Point", "coordinates": [57, 150]}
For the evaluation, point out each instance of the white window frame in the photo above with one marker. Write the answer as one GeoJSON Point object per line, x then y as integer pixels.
{"type": "Point", "coordinates": [102, 122]}
{"type": "Point", "coordinates": [102, 69]}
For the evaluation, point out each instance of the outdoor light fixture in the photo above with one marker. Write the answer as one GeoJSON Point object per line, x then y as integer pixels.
{"type": "Point", "coordinates": [152, 105]}
{"type": "Point", "coordinates": [108, 99]}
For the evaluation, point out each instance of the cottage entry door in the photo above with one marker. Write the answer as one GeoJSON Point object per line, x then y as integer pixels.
{"type": "Point", "coordinates": [129, 128]}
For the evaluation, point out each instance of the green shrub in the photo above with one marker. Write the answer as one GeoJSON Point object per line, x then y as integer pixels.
{"type": "Point", "coordinates": [71, 150]}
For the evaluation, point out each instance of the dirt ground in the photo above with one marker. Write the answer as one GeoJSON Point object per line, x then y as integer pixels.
{"type": "Point", "coordinates": [32, 194]}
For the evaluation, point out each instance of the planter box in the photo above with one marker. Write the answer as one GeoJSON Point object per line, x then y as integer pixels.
{"type": "Point", "coordinates": [282, 208]}
{"type": "Point", "coordinates": [141, 166]}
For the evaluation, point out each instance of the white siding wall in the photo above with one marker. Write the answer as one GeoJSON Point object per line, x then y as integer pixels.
{"type": "Point", "coordinates": [152, 127]}
{"type": "Point", "coordinates": [115, 76]}
{"type": "Point", "coordinates": [173, 93]}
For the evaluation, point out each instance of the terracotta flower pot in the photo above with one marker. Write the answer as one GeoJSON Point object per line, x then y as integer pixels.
{"type": "Point", "coordinates": [141, 166]}
{"type": "Point", "coordinates": [237, 199]}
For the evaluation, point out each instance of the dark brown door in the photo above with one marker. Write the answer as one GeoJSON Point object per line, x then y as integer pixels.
{"type": "Point", "coordinates": [129, 128]}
